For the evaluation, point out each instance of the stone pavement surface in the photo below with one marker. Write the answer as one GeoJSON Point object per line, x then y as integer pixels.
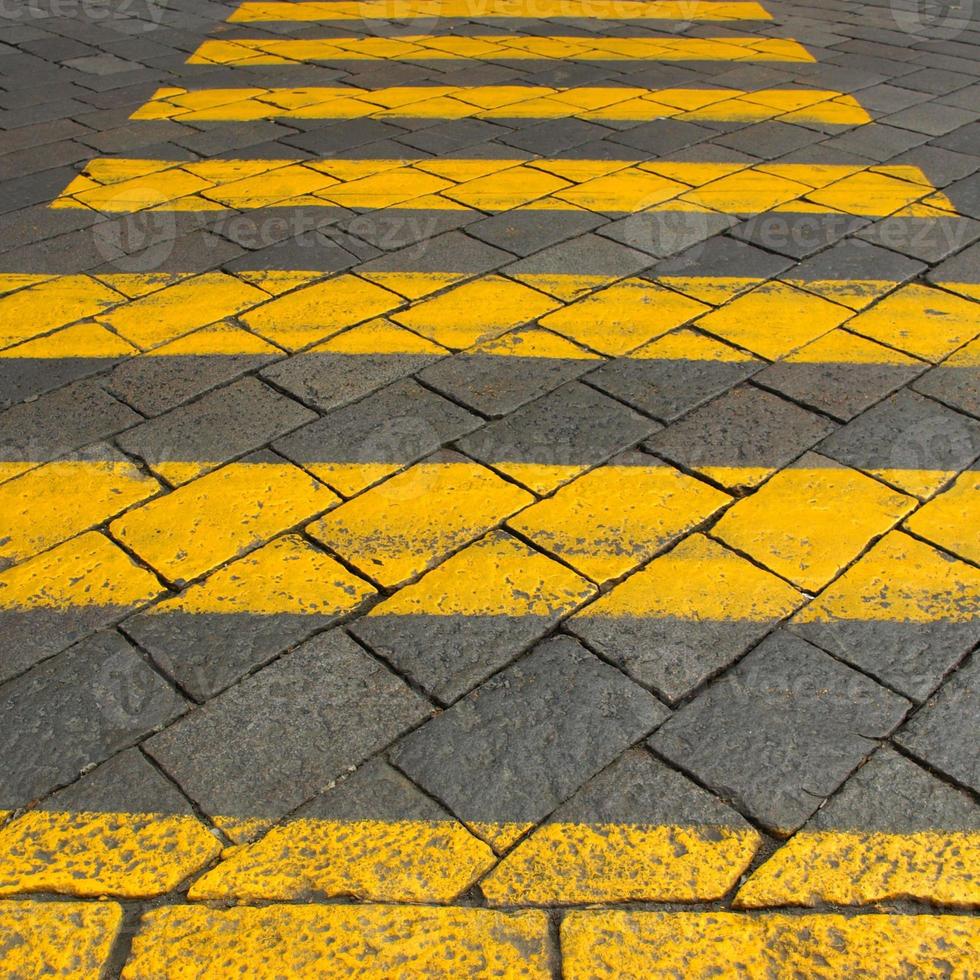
{"type": "Point", "coordinates": [489, 488]}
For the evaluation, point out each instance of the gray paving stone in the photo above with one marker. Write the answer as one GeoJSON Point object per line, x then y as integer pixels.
{"type": "Point", "coordinates": [452, 136]}
{"type": "Point", "coordinates": [852, 260]}
{"type": "Point", "coordinates": [524, 232]}
{"type": "Point", "coordinates": [586, 255]}
{"type": "Point", "coordinates": [931, 239]}
{"type": "Point", "coordinates": [907, 432]}
{"type": "Point", "coordinates": [723, 256]}
{"type": "Point", "coordinates": [265, 746]}
{"type": "Point", "coordinates": [662, 136]}
{"type": "Point", "coordinates": [62, 421]}
{"type": "Point", "coordinates": [667, 388]}
{"type": "Point", "coordinates": [936, 81]}
{"type": "Point", "coordinates": [877, 141]}
{"type": "Point", "coordinates": [748, 430]}
{"type": "Point", "coordinates": [398, 424]}
{"type": "Point", "coordinates": [551, 137]}
{"type": "Point", "coordinates": [343, 135]}
{"type": "Point", "coordinates": [74, 710]}
{"type": "Point", "coordinates": [965, 195]}
{"type": "Point", "coordinates": [452, 252]}
{"type": "Point", "coordinates": [768, 140]}
{"type": "Point", "coordinates": [664, 233]}
{"type": "Point", "coordinates": [962, 267]}
{"type": "Point", "coordinates": [932, 119]}
{"type": "Point", "coordinates": [945, 732]}
{"type": "Point", "coordinates": [572, 426]}
{"type": "Point", "coordinates": [126, 783]}
{"type": "Point", "coordinates": [781, 731]}
{"type": "Point", "coordinates": [955, 383]}
{"type": "Point", "coordinates": [225, 423]}
{"type": "Point", "coordinates": [23, 378]}
{"type": "Point", "coordinates": [389, 229]}
{"type": "Point", "coordinates": [524, 741]}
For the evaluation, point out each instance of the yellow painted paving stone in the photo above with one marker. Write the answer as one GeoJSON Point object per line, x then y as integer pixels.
{"type": "Point", "coordinates": [50, 304]}
{"type": "Point", "coordinates": [89, 855]}
{"type": "Point", "coordinates": [811, 520]}
{"type": "Point", "coordinates": [705, 944]}
{"type": "Point", "coordinates": [855, 294]}
{"type": "Point", "coordinates": [179, 309]}
{"type": "Point", "coordinates": [952, 519]}
{"type": "Point", "coordinates": [268, 189]}
{"type": "Point", "coordinates": [378, 337]}
{"type": "Point", "coordinates": [286, 576]}
{"type": "Point", "coordinates": [64, 939]}
{"type": "Point", "coordinates": [134, 284]}
{"type": "Point", "coordinates": [223, 338]}
{"type": "Point", "coordinates": [84, 340]}
{"type": "Point", "coordinates": [372, 835]}
{"type": "Point", "coordinates": [88, 570]}
{"type": "Point", "coordinates": [135, 194]}
{"type": "Point", "coordinates": [639, 831]}
{"type": "Point", "coordinates": [481, 9]}
{"type": "Point", "coordinates": [221, 515]}
{"type": "Point", "coordinates": [475, 311]}
{"type": "Point", "coordinates": [506, 189]}
{"type": "Point", "coordinates": [893, 833]}
{"type": "Point", "coordinates": [922, 320]}
{"type": "Point", "coordinates": [624, 316]}
{"type": "Point", "coordinates": [277, 281]}
{"type": "Point", "coordinates": [243, 830]}
{"type": "Point", "coordinates": [774, 319]}
{"type": "Point", "coordinates": [716, 290]}
{"type": "Point", "coordinates": [396, 530]}
{"type": "Point", "coordinates": [388, 189]}
{"type": "Point", "coordinates": [745, 192]}
{"type": "Point", "coordinates": [565, 286]}
{"type": "Point", "coordinates": [628, 190]}
{"type": "Point", "coordinates": [614, 517]}
{"type": "Point", "coordinates": [316, 312]}
{"type": "Point", "coordinates": [340, 941]}
{"type": "Point", "coordinates": [56, 501]}
{"type": "Point", "coordinates": [414, 285]}
{"type": "Point", "coordinates": [685, 615]}
{"type": "Point", "coordinates": [869, 193]}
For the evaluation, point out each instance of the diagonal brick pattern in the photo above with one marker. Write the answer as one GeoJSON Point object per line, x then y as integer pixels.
{"type": "Point", "coordinates": [466, 465]}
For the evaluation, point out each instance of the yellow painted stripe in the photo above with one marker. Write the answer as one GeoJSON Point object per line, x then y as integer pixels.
{"type": "Point", "coordinates": [63, 939]}
{"type": "Point", "coordinates": [87, 855]}
{"type": "Point", "coordinates": [472, 9]}
{"type": "Point", "coordinates": [705, 944]}
{"type": "Point", "coordinates": [502, 102]}
{"type": "Point", "coordinates": [575, 863]}
{"type": "Point", "coordinates": [862, 868]}
{"type": "Point", "coordinates": [340, 941]}
{"type": "Point", "coordinates": [497, 47]}
{"type": "Point", "coordinates": [117, 185]}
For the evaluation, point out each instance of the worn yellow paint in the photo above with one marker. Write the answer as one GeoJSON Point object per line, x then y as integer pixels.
{"type": "Point", "coordinates": [748, 191]}
{"type": "Point", "coordinates": [242, 830]}
{"type": "Point", "coordinates": [811, 520]}
{"type": "Point", "coordinates": [340, 941]}
{"type": "Point", "coordinates": [629, 190]}
{"type": "Point", "coordinates": [572, 863]}
{"type": "Point", "coordinates": [687, 345]}
{"type": "Point", "coordinates": [56, 501]}
{"type": "Point", "coordinates": [921, 482]}
{"type": "Point", "coordinates": [475, 311]}
{"type": "Point", "coordinates": [616, 943]}
{"type": "Point", "coordinates": [698, 580]}
{"type": "Point", "coordinates": [497, 575]}
{"type": "Point", "coordinates": [179, 309]}
{"type": "Point", "coordinates": [922, 320]}
{"type": "Point", "coordinates": [534, 342]}
{"type": "Point", "coordinates": [855, 867]}
{"type": "Point", "coordinates": [88, 570]}
{"type": "Point", "coordinates": [88, 855]}
{"type": "Point", "coordinates": [378, 337]}
{"type": "Point", "coordinates": [624, 316]}
{"type": "Point", "coordinates": [499, 102]}
{"type": "Point", "coordinates": [565, 286]}
{"type": "Point", "coordinates": [316, 312]}
{"type": "Point", "coordinates": [951, 519]}
{"type": "Point", "coordinates": [473, 9]}
{"type": "Point", "coordinates": [843, 347]}
{"type": "Point", "coordinates": [286, 576]}
{"type": "Point", "coordinates": [900, 579]}
{"type": "Point", "coordinates": [414, 285]}
{"type": "Point", "coordinates": [84, 339]}
{"type": "Point", "coordinates": [715, 290]}
{"type": "Point", "coordinates": [395, 530]}
{"type": "Point", "coordinates": [51, 303]}
{"type": "Point", "coordinates": [374, 860]}
{"type": "Point", "coordinates": [429, 47]}
{"type": "Point", "coordinates": [774, 319]}
{"type": "Point", "coordinates": [506, 189]}
{"type": "Point", "coordinates": [64, 939]}
{"type": "Point", "coordinates": [220, 338]}
{"type": "Point", "coordinates": [609, 521]}
{"type": "Point", "coordinates": [873, 193]}
{"type": "Point", "coordinates": [207, 522]}
{"type": "Point", "coordinates": [856, 294]}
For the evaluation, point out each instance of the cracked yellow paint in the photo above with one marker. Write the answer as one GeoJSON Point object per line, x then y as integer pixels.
{"type": "Point", "coordinates": [207, 522]}
{"type": "Point", "coordinates": [624, 316]}
{"type": "Point", "coordinates": [941, 867]}
{"type": "Point", "coordinates": [340, 941]}
{"type": "Point", "coordinates": [395, 530]}
{"type": "Point", "coordinates": [54, 502]}
{"type": "Point", "coordinates": [88, 855]}
{"type": "Point", "coordinates": [472, 9]}
{"type": "Point", "coordinates": [64, 939]}
{"type": "Point", "coordinates": [608, 521]}
{"type": "Point", "coordinates": [951, 519]}
{"type": "Point", "coordinates": [374, 860]}
{"type": "Point", "coordinates": [88, 570]}
{"type": "Point", "coordinates": [705, 944]}
{"type": "Point", "coordinates": [577, 863]}
{"type": "Point", "coordinates": [811, 520]}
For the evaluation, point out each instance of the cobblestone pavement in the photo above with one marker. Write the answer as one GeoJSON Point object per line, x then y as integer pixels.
{"type": "Point", "coordinates": [489, 488]}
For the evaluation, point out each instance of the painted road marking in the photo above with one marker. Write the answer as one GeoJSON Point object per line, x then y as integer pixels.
{"type": "Point", "coordinates": [504, 102]}
{"type": "Point", "coordinates": [473, 9]}
{"type": "Point", "coordinates": [497, 47]}
{"type": "Point", "coordinates": [119, 185]}
{"type": "Point", "coordinates": [701, 944]}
